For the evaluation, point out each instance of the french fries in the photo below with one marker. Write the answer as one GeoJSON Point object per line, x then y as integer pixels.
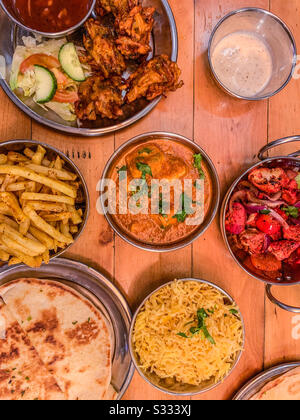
{"type": "Point", "coordinates": [39, 213]}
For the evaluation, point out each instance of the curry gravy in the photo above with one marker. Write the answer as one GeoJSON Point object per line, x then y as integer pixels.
{"type": "Point", "coordinates": [168, 160]}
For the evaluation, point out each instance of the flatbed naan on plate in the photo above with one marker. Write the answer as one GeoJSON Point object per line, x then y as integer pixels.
{"type": "Point", "coordinates": [284, 388]}
{"type": "Point", "coordinates": [23, 375]}
{"type": "Point", "coordinates": [69, 333]}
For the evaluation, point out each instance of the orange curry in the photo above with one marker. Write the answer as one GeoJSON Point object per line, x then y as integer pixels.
{"type": "Point", "coordinates": [161, 159]}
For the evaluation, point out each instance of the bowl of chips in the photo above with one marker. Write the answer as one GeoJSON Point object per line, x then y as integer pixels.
{"type": "Point", "coordinates": [44, 202]}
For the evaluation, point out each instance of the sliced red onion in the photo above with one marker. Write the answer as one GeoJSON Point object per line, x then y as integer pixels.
{"type": "Point", "coordinates": [279, 218]}
{"type": "Point", "coordinates": [297, 205]}
{"type": "Point", "coordinates": [253, 208]}
{"type": "Point", "coordinates": [295, 221]}
{"type": "Point", "coordinates": [270, 204]}
{"type": "Point", "coordinates": [268, 242]}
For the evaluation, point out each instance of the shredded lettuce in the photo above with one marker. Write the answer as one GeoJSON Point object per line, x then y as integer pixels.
{"type": "Point", "coordinates": [27, 82]}
{"type": "Point", "coordinates": [30, 47]}
{"type": "Point", "coordinates": [65, 111]}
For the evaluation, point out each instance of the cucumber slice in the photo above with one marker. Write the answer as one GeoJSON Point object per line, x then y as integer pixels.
{"type": "Point", "coordinates": [46, 84]}
{"type": "Point", "coordinates": [70, 63]}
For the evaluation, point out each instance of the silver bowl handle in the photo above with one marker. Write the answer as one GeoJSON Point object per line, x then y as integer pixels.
{"type": "Point", "coordinates": [275, 143]}
{"type": "Point", "coordinates": [281, 305]}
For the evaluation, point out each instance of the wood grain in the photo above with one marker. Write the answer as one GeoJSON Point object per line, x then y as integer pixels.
{"type": "Point", "coordinates": [148, 270]}
{"type": "Point", "coordinates": [231, 131]}
{"type": "Point", "coordinates": [284, 121]}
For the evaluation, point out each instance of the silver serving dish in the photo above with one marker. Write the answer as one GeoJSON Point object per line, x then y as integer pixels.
{"type": "Point", "coordinates": [102, 293]}
{"type": "Point", "coordinates": [257, 383]}
{"type": "Point", "coordinates": [264, 160]}
{"type": "Point", "coordinates": [164, 41]}
{"type": "Point", "coordinates": [20, 145]}
{"type": "Point", "coordinates": [278, 38]}
{"type": "Point", "coordinates": [181, 389]}
{"type": "Point", "coordinates": [215, 191]}
{"type": "Point", "coordinates": [47, 34]}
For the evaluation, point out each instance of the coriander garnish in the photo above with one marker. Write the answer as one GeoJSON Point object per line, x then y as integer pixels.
{"type": "Point", "coordinates": [201, 327]}
{"type": "Point", "coordinates": [198, 165]}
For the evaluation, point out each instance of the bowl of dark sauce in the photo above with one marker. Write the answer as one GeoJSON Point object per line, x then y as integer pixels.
{"type": "Point", "coordinates": [49, 18]}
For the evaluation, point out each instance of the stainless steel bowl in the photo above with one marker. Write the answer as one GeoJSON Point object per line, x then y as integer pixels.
{"type": "Point", "coordinates": [164, 41]}
{"type": "Point", "coordinates": [264, 161]}
{"type": "Point", "coordinates": [181, 389]}
{"type": "Point", "coordinates": [20, 145]}
{"type": "Point", "coordinates": [49, 34]}
{"type": "Point", "coordinates": [278, 38]}
{"type": "Point", "coordinates": [215, 191]}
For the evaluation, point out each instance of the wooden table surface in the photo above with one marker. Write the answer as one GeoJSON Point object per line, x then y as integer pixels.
{"type": "Point", "coordinates": [231, 132]}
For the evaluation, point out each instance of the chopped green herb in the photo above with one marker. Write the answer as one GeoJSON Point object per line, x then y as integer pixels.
{"type": "Point", "coordinates": [89, 320]}
{"type": "Point", "coordinates": [144, 168]}
{"type": "Point", "coordinates": [291, 211]}
{"type": "Point", "coordinates": [145, 150]}
{"type": "Point", "coordinates": [201, 327]}
{"type": "Point", "coordinates": [23, 393]}
{"type": "Point", "coordinates": [29, 319]}
{"type": "Point", "coordinates": [198, 165]}
{"type": "Point", "coordinates": [123, 169]}
{"type": "Point", "coordinates": [75, 322]}
{"type": "Point", "coordinates": [186, 209]}
{"type": "Point", "coordinates": [234, 311]}
{"type": "Point", "coordinates": [26, 378]}
{"type": "Point", "coordinates": [265, 211]}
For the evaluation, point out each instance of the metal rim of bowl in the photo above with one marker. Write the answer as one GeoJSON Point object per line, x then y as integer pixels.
{"type": "Point", "coordinates": [131, 347]}
{"type": "Point", "coordinates": [202, 228]}
{"type": "Point", "coordinates": [87, 132]}
{"type": "Point", "coordinates": [76, 170]}
{"type": "Point", "coordinates": [223, 217]}
{"type": "Point", "coordinates": [50, 34]}
{"type": "Point", "coordinates": [285, 27]}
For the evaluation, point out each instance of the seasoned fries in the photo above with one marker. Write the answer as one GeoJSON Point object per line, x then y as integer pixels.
{"type": "Point", "coordinates": [39, 213]}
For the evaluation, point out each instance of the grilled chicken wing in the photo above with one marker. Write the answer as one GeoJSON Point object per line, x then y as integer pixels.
{"type": "Point", "coordinates": [102, 53]}
{"type": "Point", "coordinates": [134, 30]}
{"type": "Point", "coordinates": [154, 78]}
{"type": "Point", "coordinates": [99, 97]}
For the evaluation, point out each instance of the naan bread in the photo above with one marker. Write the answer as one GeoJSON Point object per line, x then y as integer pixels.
{"type": "Point", "coordinates": [284, 388]}
{"type": "Point", "coordinates": [23, 375]}
{"type": "Point", "coordinates": [70, 335]}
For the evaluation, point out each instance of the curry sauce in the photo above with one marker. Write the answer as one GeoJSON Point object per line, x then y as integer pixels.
{"type": "Point", "coordinates": [161, 160]}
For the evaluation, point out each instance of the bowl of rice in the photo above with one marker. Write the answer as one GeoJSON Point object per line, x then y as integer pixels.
{"type": "Point", "coordinates": [187, 337]}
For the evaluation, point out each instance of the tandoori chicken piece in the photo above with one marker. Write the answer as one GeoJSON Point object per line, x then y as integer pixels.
{"type": "Point", "coordinates": [236, 219]}
{"type": "Point", "coordinates": [253, 241]}
{"type": "Point", "coordinates": [266, 262]}
{"type": "Point", "coordinates": [102, 53]}
{"type": "Point", "coordinates": [154, 78]}
{"type": "Point", "coordinates": [99, 97]}
{"type": "Point", "coordinates": [282, 250]}
{"type": "Point", "coordinates": [292, 233]}
{"type": "Point", "coordinates": [270, 181]}
{"type": "Point", "coordinates": [290, 192]}
{"type": "Point", "coordinates": [134, 31]}
{"type": "Point", "coordinates": [115, 6]}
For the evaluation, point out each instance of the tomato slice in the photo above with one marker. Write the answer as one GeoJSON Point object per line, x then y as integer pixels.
{"type": "Point", "coordinates": [268, 225]}
{"type": "Point", "coordinates": [41, 60]}
{"type": "Point", "coordinates": [65, 97]}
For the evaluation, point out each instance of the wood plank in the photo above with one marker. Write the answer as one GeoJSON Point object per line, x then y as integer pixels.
{"type": "Point", "coordinates": [282, 328]}
{"type": "Point", "coordinates": [14, 124]}
{"type": "Point", "coordinates": [96, 245]}
{"type": "Point", "coordinates": [232, 132]}
{"type": "Point", "coordinates": [140, 272]}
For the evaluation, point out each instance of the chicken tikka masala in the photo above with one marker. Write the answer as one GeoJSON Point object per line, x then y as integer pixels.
{"type": "Point", "coordinates": [162, 160]}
